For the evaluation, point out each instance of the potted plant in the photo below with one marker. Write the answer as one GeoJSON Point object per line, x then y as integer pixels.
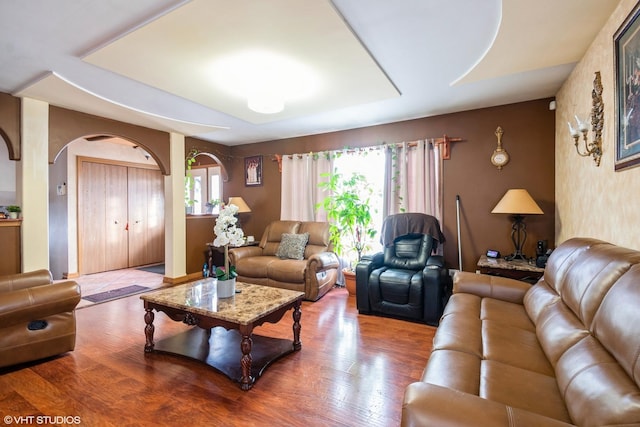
{"type": "Point", "coordinates": [350, 223]}
{"type": "Point", "coordinates": [14, 211]}
{"type": "Point", "coordinates": [211, 204]}
{"type": "Point", "coordinates": [227, 234]}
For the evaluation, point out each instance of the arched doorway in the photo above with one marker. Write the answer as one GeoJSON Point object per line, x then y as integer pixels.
{"type": "Point", "coordinates": [205, 178]}
{"type": "Point", "coordinates": [106, 207]}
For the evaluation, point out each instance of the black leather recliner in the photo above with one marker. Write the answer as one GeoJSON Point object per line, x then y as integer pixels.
{"type": "Point", "coordinates": [405, 281]}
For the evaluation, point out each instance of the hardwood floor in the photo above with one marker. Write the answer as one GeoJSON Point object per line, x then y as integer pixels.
{"type": "Point", "coordinates": [352, 371]}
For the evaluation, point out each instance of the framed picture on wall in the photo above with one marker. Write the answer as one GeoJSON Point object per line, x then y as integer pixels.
{"type": "Point", "coordinates": [253, 171]}
{"type": "Point", "coordinates": [627, 83]}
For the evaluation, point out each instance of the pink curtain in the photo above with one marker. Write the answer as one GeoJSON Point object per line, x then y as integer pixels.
{"type": "Point", "coordinates": [413, 183]}
{"type": "Point", "coordinates": [301, 174]}
{"type": "Point", "coordinates": [413, 180]}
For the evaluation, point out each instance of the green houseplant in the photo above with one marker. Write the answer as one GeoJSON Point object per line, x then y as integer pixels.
{"type": "Point", "coordinates": [348, 210]}
{"type": "Point", "coordinates": [14, 211]}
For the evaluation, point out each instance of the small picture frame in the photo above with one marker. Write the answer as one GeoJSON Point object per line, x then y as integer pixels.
{"type": "Point", "coordinates": [253, 171]}
{"type": "Point", "coordinates": [627, 91]}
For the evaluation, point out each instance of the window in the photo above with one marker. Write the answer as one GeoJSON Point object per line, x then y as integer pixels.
{"type": "Point", "coordinates": [206, 187]}
{"type": "Point", "coordinates": [215, 186]}
{"type": "Point", "coordinates": [371, 164]}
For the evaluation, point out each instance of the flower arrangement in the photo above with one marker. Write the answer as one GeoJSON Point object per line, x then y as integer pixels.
{"type": "Point", "coordinates": [227, 234]}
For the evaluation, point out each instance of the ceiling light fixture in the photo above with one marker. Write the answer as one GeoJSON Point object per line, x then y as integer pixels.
{"type": "Point", "coordinates": [266, 80]}
{"type": "Point", "coordinates": [265, 102]}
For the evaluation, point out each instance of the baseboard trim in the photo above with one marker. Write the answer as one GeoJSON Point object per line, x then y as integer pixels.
{"type": "Point", "coordinates": [182, 279]}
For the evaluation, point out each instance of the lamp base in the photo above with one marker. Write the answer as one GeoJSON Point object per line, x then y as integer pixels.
{"type": "Point", "coordinates": [517, 257]}
{"type": "Point", "coordinates": [518, 237]}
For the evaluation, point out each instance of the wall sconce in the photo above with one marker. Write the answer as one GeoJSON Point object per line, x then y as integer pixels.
{"type": "Point", "coordinates": [594, 148]}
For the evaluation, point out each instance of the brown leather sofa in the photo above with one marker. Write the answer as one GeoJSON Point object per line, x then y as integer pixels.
{"type": "Point", "coordinates": [565, 351]}
{"type": "Point", "coordinates": [315, 274]}
{"type": "Point", "coordinates": [37, 317]}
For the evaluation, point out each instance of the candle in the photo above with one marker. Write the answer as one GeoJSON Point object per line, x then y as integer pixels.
{"type": "Point", "coordinates": [582, 126]}
{"type": "Point", "coordinates": [573, 131]}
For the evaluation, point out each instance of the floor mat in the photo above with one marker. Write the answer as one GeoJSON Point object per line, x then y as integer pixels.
{"type": "Point", "coordinates": [116, 293]}
{"type": "Point", "coordinates": [158, 269]}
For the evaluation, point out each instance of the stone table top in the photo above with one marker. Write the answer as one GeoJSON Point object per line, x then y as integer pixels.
{"type": "Point", "coordinates": [502, 263]}
{"type": "Point", "coordinates": [251, 303]}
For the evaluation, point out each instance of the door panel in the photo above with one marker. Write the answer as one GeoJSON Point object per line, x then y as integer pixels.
{"type": "Point", "coordinates": [102, 207]}
{"type": "Point", "coordinates": [146, 217]}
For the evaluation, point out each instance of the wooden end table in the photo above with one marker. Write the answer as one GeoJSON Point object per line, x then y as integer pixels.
{"type": "Point", "coordinates": [214, 255]}
{"type": "Point", "coordinates": [224, 337]}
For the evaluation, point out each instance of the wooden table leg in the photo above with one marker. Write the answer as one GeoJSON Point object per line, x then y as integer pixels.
{"type": "Point", "coordinates": [149, 329]}
{"type": "Point", "coordinates": [246, 382]}
{"type": "Point", "coordinates": [296, 325]}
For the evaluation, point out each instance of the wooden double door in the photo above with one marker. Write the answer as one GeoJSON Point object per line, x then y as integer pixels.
{"type": "Point", "coordinates": [120, 215]}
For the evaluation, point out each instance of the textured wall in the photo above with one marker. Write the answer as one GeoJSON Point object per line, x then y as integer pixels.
{"type": "Point", "coordinates": [595, 201]}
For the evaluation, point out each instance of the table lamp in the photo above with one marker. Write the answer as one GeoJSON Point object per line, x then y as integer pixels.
{"type": "Point", "coordinates": [242, 207]}
{"type": "Point", "coordinates": [240, 203]}
{"type": "Point", "coordinates": [517, 202]}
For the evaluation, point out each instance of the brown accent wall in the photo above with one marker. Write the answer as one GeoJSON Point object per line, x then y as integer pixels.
{"type": "Point", "coordinates": [10, 124]}
{"type": "Point", "coordinates": [528, 138]}
{"type": "Point", "coordinates": [199, 233]}
{"type": "Point", "coordinates": [68, 125]}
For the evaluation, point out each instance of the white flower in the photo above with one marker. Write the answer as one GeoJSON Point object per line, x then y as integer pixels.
{"type": "Point", "coordinates": [225, 228]}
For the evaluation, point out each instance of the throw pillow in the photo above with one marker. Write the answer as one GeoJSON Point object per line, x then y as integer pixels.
{"type": "Point", "coordinates": [292, 245]}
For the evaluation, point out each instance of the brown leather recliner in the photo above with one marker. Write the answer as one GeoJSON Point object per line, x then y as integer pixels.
{"type": "Point", "coordinates": [315, 274]}
{"type": "Point", "coordinates": [37, 317]}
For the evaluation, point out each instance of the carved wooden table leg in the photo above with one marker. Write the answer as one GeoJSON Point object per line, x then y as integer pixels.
{"type": "Point", "coordinates": [296, 325]}
{"type": "Point", "coordinates": [246, 382]}
{"type": "Point", "coordinates": [149, 329]}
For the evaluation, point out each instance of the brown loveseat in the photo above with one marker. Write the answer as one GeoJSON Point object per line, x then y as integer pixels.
{"type": "Point", "coordinates": [315, 273]}
{"type": "Point", "coordinates": [565, 351]}
{"type": "Point", "coordinates": [37, 317]}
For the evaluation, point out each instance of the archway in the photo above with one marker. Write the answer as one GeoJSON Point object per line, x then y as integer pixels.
{"type": "Point", "coordinates": [205, 178]}
{"type": "Point", "coordinates": [66, 126]}
{"type": "Point", "coordinates": [123, 162]}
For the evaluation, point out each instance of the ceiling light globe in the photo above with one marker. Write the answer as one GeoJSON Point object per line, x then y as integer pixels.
{"type": "Point", "coordinates": [265, 104]}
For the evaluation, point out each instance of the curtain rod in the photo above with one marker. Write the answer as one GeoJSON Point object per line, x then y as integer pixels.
{"type": "Point", "coordinates": [443, 142]}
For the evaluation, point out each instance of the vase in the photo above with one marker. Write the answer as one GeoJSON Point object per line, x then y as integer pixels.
{"type": "Point", "coordinates": [13, 215]}
{"type": "Point", "coordinates": [350, 280]}
{"type": "Point", "coordinates": [226, 288]}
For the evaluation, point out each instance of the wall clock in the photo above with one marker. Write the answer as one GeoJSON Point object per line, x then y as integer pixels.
{"type": "Point", "coordinates": [500, 157]}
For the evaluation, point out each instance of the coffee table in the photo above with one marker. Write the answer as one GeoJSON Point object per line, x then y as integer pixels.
{"type": "Point", "coordinates": [223, 338]}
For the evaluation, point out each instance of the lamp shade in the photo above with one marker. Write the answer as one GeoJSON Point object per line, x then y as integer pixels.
{"type": "Point", "coordinates": [240, 203]}
{"type": "Point", "coordinates": [517, 201]}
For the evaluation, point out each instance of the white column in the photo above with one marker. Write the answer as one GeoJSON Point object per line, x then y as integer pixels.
{"type": "Point", "coordinates": [175, 218]}
{"type": "Point", "coordinates": [33, 184]}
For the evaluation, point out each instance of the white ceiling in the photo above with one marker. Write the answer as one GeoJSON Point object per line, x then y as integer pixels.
{"type": "Point", "coordinates": [148, 62]}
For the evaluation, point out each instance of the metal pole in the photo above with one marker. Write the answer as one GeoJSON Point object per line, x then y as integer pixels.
{"type": "Point", "coordinates": [458, 224]}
